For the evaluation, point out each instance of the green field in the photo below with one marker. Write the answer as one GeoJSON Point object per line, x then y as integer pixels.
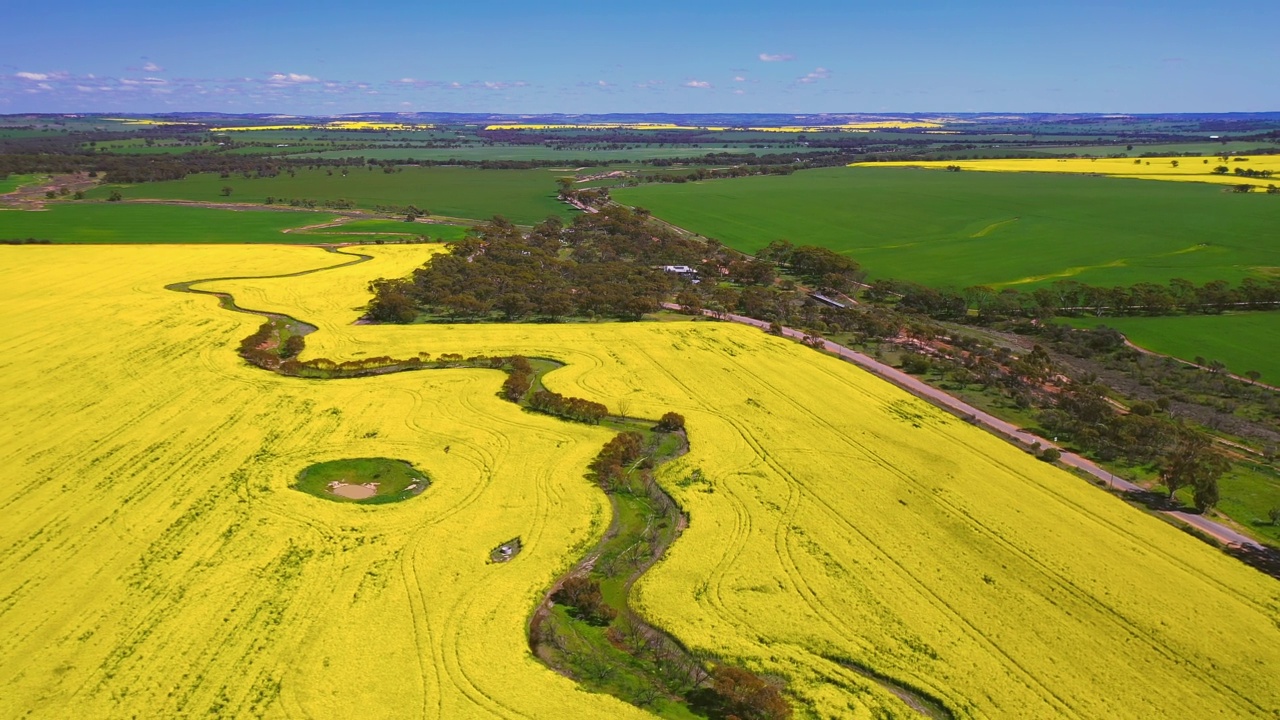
{"type": "Point", "coordinates": [435, 231]}
{"type": "Point", "coordinates": [12, 182]}
{"type": "Point", "coordinates": [126, 223]}
{"type": "Point", "coordinates": [395, 480]}
{"type": "Point", "coordinates": [961, 229]}
{"type": "Point", "coordinates": [317, 135]}
{"type": "Point", "coordinates": [290, 151]}
{"type": "Point", "coordinates": [522, 196]}
{"type": "Point", "coordinates": [1237, 340]}
{"type": "Point", "coordinates": [1249, 492]}
{"type": "Point", "coordinates": [140, 147]}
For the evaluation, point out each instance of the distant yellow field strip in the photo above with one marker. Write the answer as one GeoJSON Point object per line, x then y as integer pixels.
{"type": "Point", "coordinates": [342, 125]}
{"type": "Point", "coordinates": [844, 127]}
{"type": "Point", "coordinates": [1185, 169]}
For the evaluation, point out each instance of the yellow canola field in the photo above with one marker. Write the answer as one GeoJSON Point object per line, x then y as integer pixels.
{"type": "Point", "coordinates": [337, 125]}
{"type": "Point", "coordinates": [597, 126]}
{"type": "Point", "coordinates": [850, 127]}
{"type": "Point", "coordinates": [1187, 169]}
{"type": "Point", "coordinates": [856, 126]}
{"type": "Point", "coordinates": [159, 565]}
{"type": "Point", "coordinates": [149, 121]}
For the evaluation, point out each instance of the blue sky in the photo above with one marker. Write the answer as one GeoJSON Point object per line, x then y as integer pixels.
{"type": "Point", "coordinates": [657, 56]}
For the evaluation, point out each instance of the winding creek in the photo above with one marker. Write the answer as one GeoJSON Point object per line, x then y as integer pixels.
{"type": "Point", "coordinates": [619, 535]}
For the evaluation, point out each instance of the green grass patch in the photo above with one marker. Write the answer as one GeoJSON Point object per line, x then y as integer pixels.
{"type": "Point", "coordinates": [366, 481]}
{"type": "Point", "coordinates": [1237, 340]}
{"type": "Point", "coordinates": [140, 147]}
{"type": "Point", "coordinates": [921, 225]}
{"type": "Point", "coordinates": [1250, 491]}
{"type": "Point", "coordinates": [68, 222]}
{"type": "Point", "coordinates": [522, 196]}
{"type": "Point", "coordinates": [435, 231]}
{"type": "Point", "coordinates": [13, 182]}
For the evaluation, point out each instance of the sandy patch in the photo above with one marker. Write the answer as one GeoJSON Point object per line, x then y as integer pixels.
{"type": "Point", "coordinates": [353, 492]}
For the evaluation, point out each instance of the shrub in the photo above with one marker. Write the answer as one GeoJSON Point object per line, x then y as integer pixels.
{"type": "Point", "coordinates": [670, 422]}
{"type": "Point", "coordinates": [744, 694]}
{"type": "Point", "coordinates": [583, 595]}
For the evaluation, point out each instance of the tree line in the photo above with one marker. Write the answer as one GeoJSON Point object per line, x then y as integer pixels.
{"type": "Point", "coordinates": [603, 265]}
{"type": "Point", "coordinates": [1073, 298]}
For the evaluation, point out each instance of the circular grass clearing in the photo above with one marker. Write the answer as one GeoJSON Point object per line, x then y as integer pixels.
{"type": "Point", "coordinates": [368, 481]}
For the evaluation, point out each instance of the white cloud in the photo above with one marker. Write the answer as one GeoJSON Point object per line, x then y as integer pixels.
{"type": "Point", "coordinates": [781, 57]}
{"type": "Point", "coordinates": [739, 78]}
{"type": "Point", "coordinates": [486, 85]}
{"type": "Point", "coordinates": [32, 76]}
{"type": "Point", "coordinates": [648, 84]}
{"type": "Point", "coordinates": [292, 78]}
{"type": "Point", "coordinates": [739, 92]}
{"type": "Point", "coordinates": [703, 84]}
{"type": "Point", "coordinates": [815, 76]}
{"type": "Point", "coordinates": [152, 67]}
{"type": "Point", "coordinates": [407, 82]}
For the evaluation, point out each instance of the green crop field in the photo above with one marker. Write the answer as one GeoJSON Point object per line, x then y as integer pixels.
{"type": "Point", "coordinates": [290, 151]}
{"type": "Point", "coordinates": [13, 182]}
{"type": "Point", "coordinates": [318, 135]}
{"type": "Point", "coordinates": [436, 231]}
{"type": "Point", "coordinates": [139, 223]}
{"type": "Point", "coordinates": [1237, 340]}
{"type": "Point", "coordinates": [522, 196]}
{"type": "Point", "coordinates": [961, 229]}
{"type": "Point", "coordinates": [140, 147]}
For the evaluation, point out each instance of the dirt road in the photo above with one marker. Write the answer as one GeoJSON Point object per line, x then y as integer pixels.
{"type": "Point", "coordinates": [1007, 430]}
